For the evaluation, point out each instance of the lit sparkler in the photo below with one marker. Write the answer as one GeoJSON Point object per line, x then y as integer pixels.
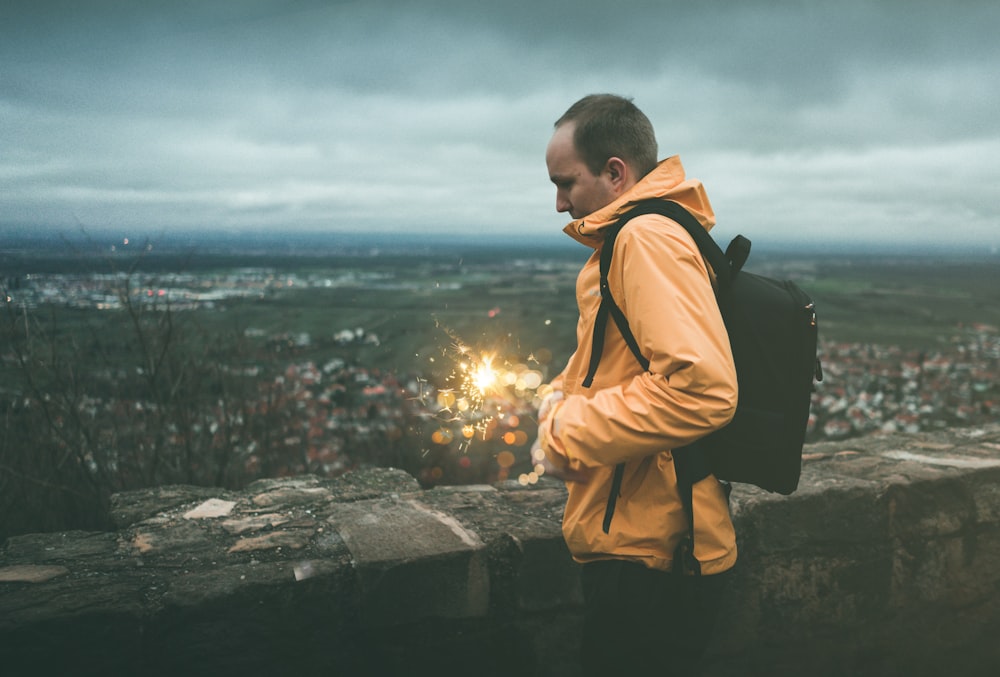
{"type": "Point", "coordinates": [476, 382]}
{"type": "Point", "coordinates": [485, 397]}
{"type": "Point", "coordinates": [479, 378]}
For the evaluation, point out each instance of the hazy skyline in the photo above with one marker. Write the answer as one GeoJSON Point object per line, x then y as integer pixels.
{"type": "Point", "coordinates": [808, 122]}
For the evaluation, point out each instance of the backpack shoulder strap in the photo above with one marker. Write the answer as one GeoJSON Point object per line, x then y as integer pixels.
{"type": "Point", "coordinates": [719, 261]}
{"type": "Point", "coordinates": [610, 307]}
{"type": "Point", "coordinates": [716, 258]}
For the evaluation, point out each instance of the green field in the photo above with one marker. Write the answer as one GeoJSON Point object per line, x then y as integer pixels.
{"type": "Point", "coordinates": [919, 304]}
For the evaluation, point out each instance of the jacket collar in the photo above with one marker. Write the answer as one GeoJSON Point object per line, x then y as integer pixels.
{"type": "Point", "coordinates": [666, 181]}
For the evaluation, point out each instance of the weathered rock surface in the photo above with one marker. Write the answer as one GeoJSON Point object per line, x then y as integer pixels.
{"type": "Point", "coordinates": [886, 561]}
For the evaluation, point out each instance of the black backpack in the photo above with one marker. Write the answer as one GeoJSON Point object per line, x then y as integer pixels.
{"type": "Point", "coordinates": [773, 334]}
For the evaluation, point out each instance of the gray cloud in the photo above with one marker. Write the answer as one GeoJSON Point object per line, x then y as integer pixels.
{"type": "Point", "coordinates": [856, 120]}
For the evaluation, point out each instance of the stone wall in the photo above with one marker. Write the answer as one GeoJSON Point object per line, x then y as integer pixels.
{"type": "Point", "coordinates": [885, 562]}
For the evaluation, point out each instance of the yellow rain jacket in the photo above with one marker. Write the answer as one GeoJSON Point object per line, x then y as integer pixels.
{"type": "Point", "coordinates": [663, 286]}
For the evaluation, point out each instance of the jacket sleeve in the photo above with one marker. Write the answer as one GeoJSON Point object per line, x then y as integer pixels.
{"type": "Point", "coordinates": [661, 283]}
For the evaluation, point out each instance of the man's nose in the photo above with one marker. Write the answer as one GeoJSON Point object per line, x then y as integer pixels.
{"type": "Point", "coordinates": [562, 204]}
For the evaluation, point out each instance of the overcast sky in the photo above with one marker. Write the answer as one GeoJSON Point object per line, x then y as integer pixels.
{"type": "Point", "coordinates": [807, 121]}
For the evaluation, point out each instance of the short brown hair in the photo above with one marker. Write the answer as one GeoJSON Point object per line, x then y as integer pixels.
{"type": "Point", "coordinates": [608, 125]}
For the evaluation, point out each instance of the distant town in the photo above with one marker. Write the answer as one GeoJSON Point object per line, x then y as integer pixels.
{"type": "Point", "coordinates": [868, 388]}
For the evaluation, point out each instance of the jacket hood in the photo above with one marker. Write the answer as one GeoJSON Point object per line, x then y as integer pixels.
{"type": "Point", "coordinates": [666, 181]}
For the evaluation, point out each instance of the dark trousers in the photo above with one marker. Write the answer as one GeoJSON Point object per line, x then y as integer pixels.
{"type": "Point", "coordinates": [644, 622]}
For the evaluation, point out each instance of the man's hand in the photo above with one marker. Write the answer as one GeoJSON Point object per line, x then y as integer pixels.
{"type": "Point", "coordinates": [545, 408]}
{"type": "Point", "coordinates": [542, 463]}
{"type": "Point", "coordinates": [539, 458]}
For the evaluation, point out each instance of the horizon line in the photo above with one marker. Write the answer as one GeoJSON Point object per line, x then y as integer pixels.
{"type": "Point", "coordinates": [398, 238]}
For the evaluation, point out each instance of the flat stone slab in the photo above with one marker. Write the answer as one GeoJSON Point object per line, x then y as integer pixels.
{"type": "Point", "coordinates": [399, 530]}
{"type": "Point", "coordinates": [949, 461]}
{"type": "Point", "coordinates": [213, 507]}
{"type": "Point", "coordinates": [31, 573]}
{"type": "Point", "coordinates": [413, 562]}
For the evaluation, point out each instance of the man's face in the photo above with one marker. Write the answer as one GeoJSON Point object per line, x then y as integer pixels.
{"type": "Point", "coordinates": [578, 191]}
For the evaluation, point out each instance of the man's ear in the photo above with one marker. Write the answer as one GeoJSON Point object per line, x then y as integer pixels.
{"type": "Point", "coordinates": [617, 172]}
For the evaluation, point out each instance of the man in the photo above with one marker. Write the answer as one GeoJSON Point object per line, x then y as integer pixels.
{"type": "Point", "coordinates": [640, 617]}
